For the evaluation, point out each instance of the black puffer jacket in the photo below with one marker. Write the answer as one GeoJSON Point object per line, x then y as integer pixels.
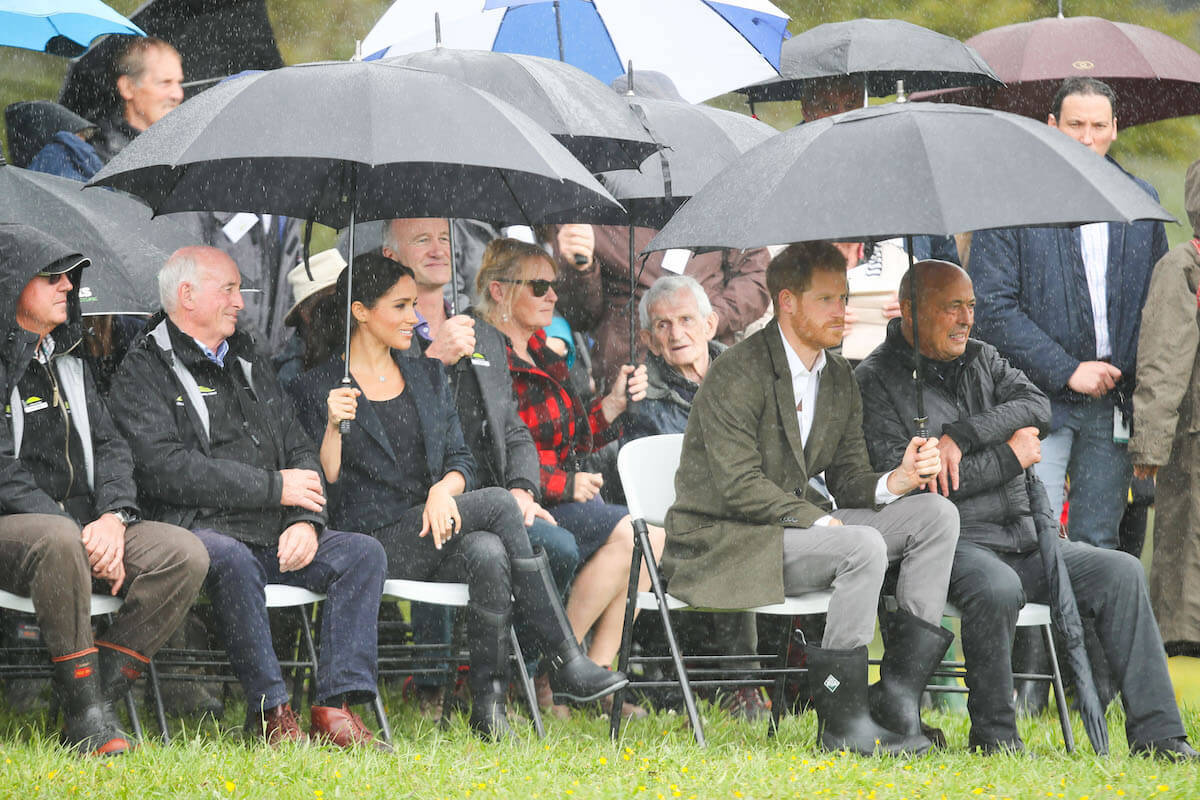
{"type": "Point", "coordinates": [979, 400]}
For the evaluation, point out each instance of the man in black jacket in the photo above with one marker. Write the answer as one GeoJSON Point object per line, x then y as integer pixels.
{"type": "Point", "coordinates": [70, 512]}
{"type": "Point", "coordinates": [218, 449]}
{"type": "Point", "coordinates": [988, 416]}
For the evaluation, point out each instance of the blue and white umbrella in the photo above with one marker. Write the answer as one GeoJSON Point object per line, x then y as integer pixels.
{"type": "Point", "coordinates": [52, 25]}
{"type": "Point", "coordinates": [706, 47]}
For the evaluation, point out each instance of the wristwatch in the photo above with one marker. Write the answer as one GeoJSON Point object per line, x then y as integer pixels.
{"type": "Point", "coordinates": [128, 516]}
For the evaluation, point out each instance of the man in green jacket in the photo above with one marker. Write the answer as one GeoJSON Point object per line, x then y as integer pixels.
{"type": "Point", "coordinates": [747, 528]}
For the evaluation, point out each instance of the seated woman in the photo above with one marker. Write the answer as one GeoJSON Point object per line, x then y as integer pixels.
{"type": "Point", "coordinates": [401, 473]}
{"type": "Point", "coordinates": [515, 290]}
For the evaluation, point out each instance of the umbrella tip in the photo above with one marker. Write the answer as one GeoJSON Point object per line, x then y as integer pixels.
{"type": "Point", "coordinates": [437, 29]}
{"type": "Point", "coordinates": [901, 97]}
{"type": "Point", "coordinates": [357, 50]}
{"type": "Point", "coordinates": [629, 72]}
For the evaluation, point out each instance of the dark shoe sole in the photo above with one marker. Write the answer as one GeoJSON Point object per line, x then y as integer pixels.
{"type": "Point", "coordinates": [563, 697]}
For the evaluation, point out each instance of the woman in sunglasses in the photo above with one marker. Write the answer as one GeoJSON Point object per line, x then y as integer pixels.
{"type": "Point", "coordinates": [401, 472]}
{"type": "Point", "coordinates": [515, 289]}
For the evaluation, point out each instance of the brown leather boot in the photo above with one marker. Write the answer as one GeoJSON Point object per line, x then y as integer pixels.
{"type": "Point", "coordinates": [340, 726]}
{"type": "Point", "coordinates": [275, 725]}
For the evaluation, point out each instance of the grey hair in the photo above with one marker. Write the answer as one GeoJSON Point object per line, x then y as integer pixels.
{"type": "Point", "coordinates": [666, 286]}
{"type": "Point", "coordinates": [182, 267]}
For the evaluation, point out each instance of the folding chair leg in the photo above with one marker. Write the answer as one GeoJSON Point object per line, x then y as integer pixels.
{"type": "Point", "coordinates": [310, 651]}
{"type": "Point", "coordinates": [134, 722]}
{"type": "Point", "coordinates": [156, 695]}
{"type": "Point", "coordinates": [777, 690]}
{"type": "Point", "coordinates": [385, 730]}
{"type": "Point", "coordinates": [1059, 696]}
{"type": "Point", "coordinates": [618, 697]}
{"type": "Point", "coordinates": [457, 642]}
{"type": "Point", "coordinates": [526, 684]}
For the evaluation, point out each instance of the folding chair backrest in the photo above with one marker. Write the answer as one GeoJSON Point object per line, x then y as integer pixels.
{"type": "Point", "coordinates": [647, 467]}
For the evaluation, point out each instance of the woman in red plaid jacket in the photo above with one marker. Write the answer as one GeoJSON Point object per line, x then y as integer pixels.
{"type": "Point", "coordinates": [515, 287]}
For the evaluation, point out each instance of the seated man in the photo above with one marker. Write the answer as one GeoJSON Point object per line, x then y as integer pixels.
{"type": "Point", "coordinates": [69, 502]}
{"type": "Point", "coordinates": [747, 529]}
{"type": "Point", "coordinates": [218, 449]}
{"type": "Point", "coordinates": [989, 415]}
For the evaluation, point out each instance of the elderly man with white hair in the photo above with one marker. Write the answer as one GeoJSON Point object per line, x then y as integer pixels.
{"type": "Point", "coordinates": [677, 328]}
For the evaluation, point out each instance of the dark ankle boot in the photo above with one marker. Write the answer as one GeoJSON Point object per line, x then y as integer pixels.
{"type": "Point", "coordinates": [487, 633]}
{"type": "Point", "coordinates": [914, 650]}
{"type": "Point", "coordinates": [838, 683]}
{"type": "Point", "coordinates": [86, 726]}
{"type": "Point", "coordinates": [120, 668]}
{"type": "Point", "coordinates": [573, 676]}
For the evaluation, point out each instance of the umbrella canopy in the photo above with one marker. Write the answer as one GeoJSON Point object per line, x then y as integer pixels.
{"type": "Point", "coordinates": [386, 141]}
{"type": "Point", "coordinates": [926, 168]}
{"type": "Point", "coordinates": [216, 38]}
{"type": "Point", "coordinates": [1154, 76]}
{"type": "Point", "coordinates": [580, 111]}
{"type": "Point", "coordinates": [59, 27]}
{"type": "Point", "coordinates": [875, 53]}
{"type": "Point", "coordinates": [707, 47]}
{"type": "Point", "coordinates": [699, 141]}
{"type": "Point", "coordinates": [126, 246]}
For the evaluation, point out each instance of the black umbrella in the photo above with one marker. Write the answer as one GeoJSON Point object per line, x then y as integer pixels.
{"type": "Point", "coordinates": [874, 53]}
{"type": "Point", "coordinates": [126, 246]}
{"type": "Point", "coordinates": [216, 38]}
{"type": "Point", "coordinates": [384, 141]}
{"type": "Point", "coordinates": [579, 110]}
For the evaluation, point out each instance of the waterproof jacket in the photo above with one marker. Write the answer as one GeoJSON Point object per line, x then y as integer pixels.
{"type": "Point", "coordinates": [1034, 305]}
{"type": "Point", "coordinates": [165, 422]}
{"type": "Point", "coordinates": [596, 300]}
{"type": "Point", "coordinates": [744, 473]}
{"type": "Point", "coordinates": [668, 399]}
{"type": "Point", "coordinates": [979, 400]}
{"type": "Point", "coordinates": [364, 497]}
{"type": "Point", "coordinates": [67, 156]}
{"type": "Point", "coordinates": [108, 459]}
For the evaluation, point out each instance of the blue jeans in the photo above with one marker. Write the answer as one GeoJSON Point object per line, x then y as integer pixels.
{"type": "Point", "coordinates": [432, 623]}
{"type": "Point", "coordinates": [1099, 468]}
{"type": "Point", "coordinates": [348, 568]}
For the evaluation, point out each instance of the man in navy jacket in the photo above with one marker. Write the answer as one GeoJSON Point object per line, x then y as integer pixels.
{"type": "Point", "coordinates": [1064, 306]}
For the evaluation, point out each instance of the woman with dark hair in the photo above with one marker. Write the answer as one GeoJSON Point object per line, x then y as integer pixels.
{"type": "Point", "coordinates": [401, 473]}
{"type": "Point", "coordinates": [515, 290]}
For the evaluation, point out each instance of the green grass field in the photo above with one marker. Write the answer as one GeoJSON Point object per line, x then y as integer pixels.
{"type": "Point", "coordinates": [656, 759]}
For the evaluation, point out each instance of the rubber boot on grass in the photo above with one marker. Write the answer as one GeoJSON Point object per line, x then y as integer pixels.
{"type": "Point", "coordinates": [86, 726]}
{"type": "Point", "coordinates": [487, 632]}
{"type": "Point", "coordinates": [914, 650]}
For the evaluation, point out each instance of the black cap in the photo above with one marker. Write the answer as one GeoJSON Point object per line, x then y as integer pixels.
{"type": "Point", "coordinates": [41, 253]}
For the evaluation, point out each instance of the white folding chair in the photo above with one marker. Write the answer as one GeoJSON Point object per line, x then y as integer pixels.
{"type": "Point", "coordinates": [103, 605]}
{"type": "Point", "coordinates": [457, 596]}
{"type": "Point", "coordinates": [647, 468]}
{"type": "Point", "coordinates": [1032, 615]}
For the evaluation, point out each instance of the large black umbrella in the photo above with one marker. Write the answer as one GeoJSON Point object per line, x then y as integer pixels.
{"type": "Point", "coordinates": [927, 169]}
{"type": "Point", "coordinates": [216, 38]}
{"type": "Point", "coordinates": [579, 110]}
{"type": "Point", "coordinates": [874, 53]}
{"type": "Point", "coordinates": [384, 141]}
{"type": "Point", "coordinates": [126, 246]}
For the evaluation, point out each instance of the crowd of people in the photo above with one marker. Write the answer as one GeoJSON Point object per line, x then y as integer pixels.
{"type": "Point", "coordinates": [216, 451]}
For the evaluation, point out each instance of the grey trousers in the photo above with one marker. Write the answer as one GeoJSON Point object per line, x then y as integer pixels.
{"type": "Point", "coordinates": [918, 531]}
{"type": "Point", "coordinates": [41, 556]}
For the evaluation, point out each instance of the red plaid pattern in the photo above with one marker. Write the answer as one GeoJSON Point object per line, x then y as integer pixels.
{"type": "Point", "coordinates": [563, 429]}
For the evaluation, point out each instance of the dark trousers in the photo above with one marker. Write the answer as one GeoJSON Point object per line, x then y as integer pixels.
{"type": "Point", "coordinates": [989, 589]}
{"type": "Point", "coordinates": [432, 623]}
{"type": "Point", "coordinates": [42, 556]}
{"type": "Point", "coordinates": [348, 569]}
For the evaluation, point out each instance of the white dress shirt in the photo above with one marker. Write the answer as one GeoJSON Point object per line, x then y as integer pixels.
{"type": "Point", "coordinates": [805, 383]}
{"type": "Point", "coordinates": [1093, 243]}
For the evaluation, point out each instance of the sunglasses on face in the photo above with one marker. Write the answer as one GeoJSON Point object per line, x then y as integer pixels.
{"type": "Point", "coordinates": [52, 277]}
{"type": "Point", "coordinates": [539, 286]}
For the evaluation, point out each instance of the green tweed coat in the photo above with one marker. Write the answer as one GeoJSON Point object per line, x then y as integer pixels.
{"type": "Point", "coordinates": [743, 476]}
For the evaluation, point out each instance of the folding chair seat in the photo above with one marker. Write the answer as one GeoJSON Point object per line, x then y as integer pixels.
{"type": "Point", "coordinates": [426, 659]}
{"type": "Point", "coordinates": [103, 605]}
{"type": "Point", "coordinates": [303, 666]}
{"type": "Point", "coordinates": [647, 468]}
{"type": "Point", "coordinates": [1032, 615]}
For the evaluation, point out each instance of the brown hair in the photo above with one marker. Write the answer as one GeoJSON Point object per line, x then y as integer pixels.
{"type": "Point", "coordinates": [132, 60]}
{"type": "Point", "coordinates": [792, 269]}
{"type": "Point", "coordinates": [504, 258]}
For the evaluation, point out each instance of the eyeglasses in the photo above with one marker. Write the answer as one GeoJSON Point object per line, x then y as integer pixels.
{"type": "Point", "coordinates": [539, 286]}
{"type": "Point", "coordinates": [53, 277]}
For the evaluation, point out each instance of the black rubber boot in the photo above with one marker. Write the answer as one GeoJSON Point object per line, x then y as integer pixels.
{"type": "Point", "coordinates": [86, 726]}
{"type": "Point", "coordinates": [838, 683]}
{"type": "Point", "coordinates": [1029, 655]}
{"type": "Point", "coordinates": [120, 668]}
{"type": "Point", "coordinates": [914, 650]}
{"type": "Point", "coordinates": [487, 634]}
{"type": "Point", "coordinates": [573, 676]}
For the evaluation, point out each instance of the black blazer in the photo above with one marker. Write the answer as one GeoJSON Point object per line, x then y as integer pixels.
{"type": "Point", "coordinates": [363, 498]}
